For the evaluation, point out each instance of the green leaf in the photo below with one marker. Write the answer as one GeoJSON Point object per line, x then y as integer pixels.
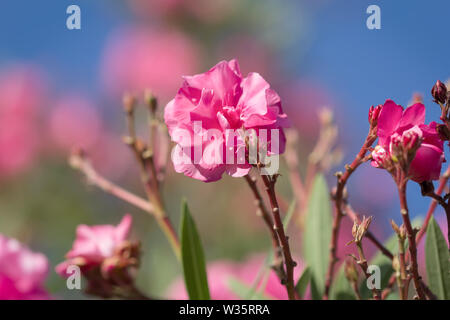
{"type": "Point", "coordinates": [303, 282]}
{"type": "Point", "coordinates": [317, 235]}
{"type": "Point", "coordinates": [244, 291]}
{"type": "Point", "coordinates": [192, 257]}
{"type": "Point", "coordinates": [437, 261]}
{"type": "Point", "coordinates": [341, 288]}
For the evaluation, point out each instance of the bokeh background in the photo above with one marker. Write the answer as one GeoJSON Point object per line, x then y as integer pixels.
{"type": "Point", "coordinates": [61, 88]}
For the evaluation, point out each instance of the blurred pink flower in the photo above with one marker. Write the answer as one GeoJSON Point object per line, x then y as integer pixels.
{"type": "Point", "coordinates": [221, 102]}
{"type": "Point", "coordinates": [206, 11]}
{"type": "Point", "coordinates": [74, 122]}
{"type": "Point", "coordinates": [93, 245]}
{"type": "Point", "coordinates": [21, 94]}
{"type": "Point", "coordinates": [136, 59]}
{"type": "Point", "coordinates": [111, 157]}
{"type": "Point", "coordinates": [22, 272]}
{"type": "Point", "coordinates": [253, 54]}
{"type": "Point", "coordinates": [220, 273]}
{"type": "Point", "coordinates": [394, 122]}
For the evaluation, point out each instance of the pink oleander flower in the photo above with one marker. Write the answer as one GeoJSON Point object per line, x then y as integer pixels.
{"type": "Point", "coordinates": [210, 114]}
{"type": "Point", "coordinates": [21, 95]}
{"type": "Point", "coordinates": [74, 122]}
{"type": "Point", "coordinates": [220, 273]}
{"type": "Point", "coordinates": [95, 244]}
{"type": "Point", "coordinates": [22, 272]}
{"type": "Point", "coordinates": [104, 255]}
{"type": "Point", "coordinates": [136, 59]}
{"type": "Point", "coordinates": [204, 11]}
{"type": "Point", "coordinates": [397, 126]}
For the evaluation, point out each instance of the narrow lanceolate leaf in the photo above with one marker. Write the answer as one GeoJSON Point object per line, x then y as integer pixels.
{"type": "Point", "coordinates": [244, 291]}
{"type": "Point", "coordinates": [192, 256]}
{"type": "Point", "coordinates": [437, 261]}
{"type": "Point", "coordinates": [303, 282]}
{"type": "Point", "coordinates": [317, 235]}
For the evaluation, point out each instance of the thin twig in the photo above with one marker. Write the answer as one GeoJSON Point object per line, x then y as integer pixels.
{"type": "Point", "coordinates": [339, 202]}
{"type": "Point", "coordinates": [144, 157]}
{"type": "Point", "coordinates": [437, 198]}
{"type": "Point", "coordinates": [264, 213]}
{"type": "Point", "coordinates": [411, 233]}
{"type": "Point", "coordinates": [80, 162]}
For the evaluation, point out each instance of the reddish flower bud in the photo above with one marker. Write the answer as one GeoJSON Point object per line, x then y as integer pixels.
{"type": "Point", "coordinates": [351, 272]}
{"type": "Point", "coordinates": [444, 133]}
{"type": "Point", "coordinates": [411, 139]}
{"type": "Point", "coordinates": [379, 156]}
{"type": "Point", "coordinates": [439, 92]}
{"type": "Point", "coordinates": [374, 113]}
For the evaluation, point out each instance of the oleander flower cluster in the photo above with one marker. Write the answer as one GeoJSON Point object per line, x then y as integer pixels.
{"type": "Point", "coordinates": [221, 122]}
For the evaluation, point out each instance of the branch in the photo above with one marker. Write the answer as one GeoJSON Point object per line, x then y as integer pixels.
{"type": "Point", "coordinates": [79, 161]}
{"type": "Point", "coordinates": [339, 201]}
{"type": "Point", "coordinates": [437, 198]}
{"type": "Point", "coordinates": [411, 233]}
{"type": "Point", "coordinates": [269, 182]}
{"type": "Point", "coordinates": [264, 213]}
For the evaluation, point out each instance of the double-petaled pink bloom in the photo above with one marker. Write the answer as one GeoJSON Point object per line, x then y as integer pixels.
{"type": "Point", "coordinates": [97, 247]}
{"type": "Point", "coordinates": [22, 272]}
{"type": "Point", "coordinates": [398, 126]}
{"type": "Point", "coordinates": [209, 108]}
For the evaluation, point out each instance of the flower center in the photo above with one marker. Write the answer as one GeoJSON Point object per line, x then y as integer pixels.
{"type": "Point", "coordinates": [229, 118]}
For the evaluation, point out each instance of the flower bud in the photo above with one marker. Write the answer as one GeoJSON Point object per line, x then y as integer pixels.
{"type": "Point", "coordinates": [396, 264]}
{"type": "Point", "coordinates": [355, 229]}
{"type": "Point", "coordinates": [351, 272]}
{"type": "Point", "coordinates": [439, 92]}
{"type": "Point", "coordinates": [374, 114]}
{"type": "Point", "coordinates": [379, 156]}
{"type": "Point", "coordinates": [151, 101]}
{"type": "Point", "coordinates": [326, 117]}
{"type": "Point", "coordinates": [395, 227]}
{"type": "Point", "coordinates": [443, 131]}
{"type": "Point", "coordinates": [129, 102]}
{"type": "Point", "coordinates": [403, 147]}
{"type": "Point", "coordinates": [411, 139]}
{"type": "Point", "coordinates": [359, 230]}
{"type": "Point", "coordinates": [117, 267]}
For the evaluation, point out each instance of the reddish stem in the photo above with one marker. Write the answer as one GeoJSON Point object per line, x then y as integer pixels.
{"type": "Point", "coordinates": [262, 210]}
{"type": "Point", "coordinates": [411, 237]}
{"type": "Point", "coordinates": [279, 228]}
